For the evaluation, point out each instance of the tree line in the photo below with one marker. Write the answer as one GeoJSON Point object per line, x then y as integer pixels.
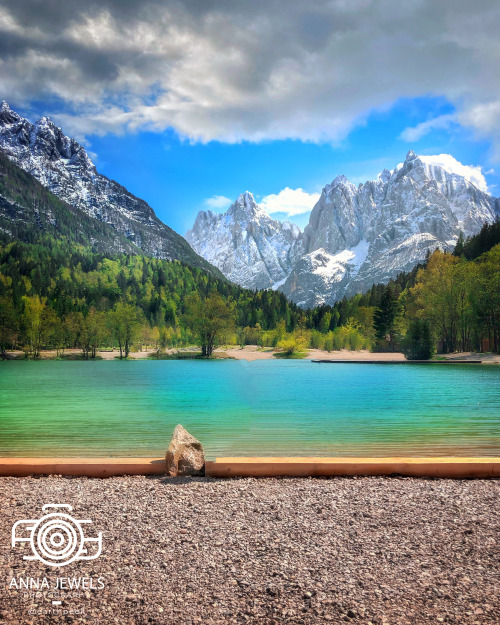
{"type": "Point", "coordinates": [449, 303]}
{"type": "Point", "coordinates": [55, 295]}
{"type": "Point", "coordinates": [58, 295]}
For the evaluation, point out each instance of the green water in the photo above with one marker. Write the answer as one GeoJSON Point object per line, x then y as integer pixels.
{"type": "Point", "coordinates": [238, 408]}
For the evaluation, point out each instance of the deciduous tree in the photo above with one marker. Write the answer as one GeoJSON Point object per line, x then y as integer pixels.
{"type": "Point", "coordinates": [211, 319]}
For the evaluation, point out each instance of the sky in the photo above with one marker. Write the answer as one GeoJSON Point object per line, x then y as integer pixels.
{"type": "Point", "coordinates": [190, 103]}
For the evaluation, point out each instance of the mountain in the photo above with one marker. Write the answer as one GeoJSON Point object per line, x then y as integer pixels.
{"type": "Point", "coordinates": [63, 166]}
{"type": "Point", "coordinates": [248, 246]}
{"type": "Point", "coordinates": [357, 236]}
{"type": "Point", "coordinates": [29, 212]}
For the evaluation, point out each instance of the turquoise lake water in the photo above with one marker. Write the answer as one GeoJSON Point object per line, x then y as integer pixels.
{"type": "Point", "coordinates": [257, 408]}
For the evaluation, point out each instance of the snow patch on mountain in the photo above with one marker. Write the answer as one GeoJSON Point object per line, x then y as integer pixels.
{"type": "Point", "coordinates": [245, 243]}
{"type": "Point", "coordinates": [330, 268]}
{"type": "Point", "coordinates": [62, 165]}
{"type": "Point", "coordinates": [360, 252]}
{"type": "Point", "coordinates": [356, 236]}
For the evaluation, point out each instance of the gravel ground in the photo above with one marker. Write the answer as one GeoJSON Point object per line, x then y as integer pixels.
{"type": "Point", "coordinates": [189, 551]}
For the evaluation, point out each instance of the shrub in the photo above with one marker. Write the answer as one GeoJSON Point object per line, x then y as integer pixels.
{"type": "Point", "coordinates": [292, 346]}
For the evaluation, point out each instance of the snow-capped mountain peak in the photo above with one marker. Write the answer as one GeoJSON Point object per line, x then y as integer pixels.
{"type": "Point", "coordinates": [4, 106]}
{"type": "Point", "coordinates": [356, 236]}
{"type": "Point", "coordinates": [385, 175]}
{"type": "Point", "coordinates": [245, 208]}
{"type": "Point", "coordinates": [245, 243]}
{"type": "Point", "coordinates": [62, 165]}
{"type": "Point", "coordinates": [7, 115]}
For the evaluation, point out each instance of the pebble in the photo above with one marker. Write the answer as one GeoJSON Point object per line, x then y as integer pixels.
{"type": "Point", "coordinates": [380, 551]}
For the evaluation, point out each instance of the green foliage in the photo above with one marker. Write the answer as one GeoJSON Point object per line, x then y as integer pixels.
{"type": "Point", "coordinates": [9, 325]}
{"type": "Point", "coordinates": [34, 321]}
{"type": "Point", "coordinates": [211, 319]}
{"type": "Point", "coordinates": [384, 317]}
{"type": "Point", "coordinates": [473, 247]}
{"type": "Point", "coordinates": [124, 321]}
{"type": "Point", "coordinates": [460, 300]}
{"type": "Point", "coordinates": [418, 343]}
{"type": "Point", "coordinates": [58, 295]}
{"type": "Point", "coordinates": [457, 295]}
{"type": "Point", "coordinates": [85, 291]}
{"type": "Point", "coordinates": [292, 347]}
{"type": "Point", "coordinates": [460, 245]}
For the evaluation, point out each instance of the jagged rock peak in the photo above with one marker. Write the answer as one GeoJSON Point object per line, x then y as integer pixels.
{"type": "Point", "coordinates": [31, 145]}
{"type": "Point", "coordinates": [46, 121]}
{"type": "Point", "coordinates": [341, 183]}
{"type": "Point", "coordinates": [340, 180]}
{"type": "Point", "coordinates": [246, 198]}
{"type": "Point", "coordinates": [7, 115]}
{"type": "Point", "coordinates": [246, 206]}
{"type": "Point", "coordinates": [63, 166]}
{"type": "Point", "coordinates": [356, 236]}
{"type": "Point", "coordinates": [245, 243]}
{"type": "Point", "coordinates": [247, 201]}
{"type": "Point", "coordinates": [385, 175]}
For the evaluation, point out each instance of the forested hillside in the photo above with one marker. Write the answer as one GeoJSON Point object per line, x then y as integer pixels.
{"type": "Point", "coordinates": [61, 286]}
{"type": "Point", "coordinates": [450, 303]}
{"type": "Point", "coordinates": [29, 212]}
{"type": "Point", "coordinates": [55, 294]}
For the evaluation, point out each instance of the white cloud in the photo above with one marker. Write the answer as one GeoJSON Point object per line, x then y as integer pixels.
{"type": "Point", "coordinates": [470, 172]}
{"type": "Point", "coordinates": [218, 202]}
{"type": "Point", "coordinates": [290, 202]}
{"type": "Point", "coordinates": [415, 133]}
{"type": "Point", "coordinates": [235, 71]}
{"type": "Point", "coordinates": [485, 120]}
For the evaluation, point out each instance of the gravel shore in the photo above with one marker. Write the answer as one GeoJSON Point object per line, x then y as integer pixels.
{"type": "Point", "coordinates": [202, 551]}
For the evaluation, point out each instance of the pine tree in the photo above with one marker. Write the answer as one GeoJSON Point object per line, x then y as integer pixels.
{"type": "Point", "coordinates": [384, 317]}
{"type": "Point", "coordinates": [418, 343]}
{"type": "Point", "coordinates": [460, 246]}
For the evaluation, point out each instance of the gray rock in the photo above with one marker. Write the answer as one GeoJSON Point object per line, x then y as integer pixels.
{"type": "Point", "coordinates": [184, 454]}
{"type": "Point", "coordinates": [247, 245]}
{"type": "Point", "coordinates": [356, 236]}
{"type": "Point", "coordinates": [63, 166]}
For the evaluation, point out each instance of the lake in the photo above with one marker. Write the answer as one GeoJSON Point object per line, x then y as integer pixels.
{"type": "Point", "coordinates": [300, 408]}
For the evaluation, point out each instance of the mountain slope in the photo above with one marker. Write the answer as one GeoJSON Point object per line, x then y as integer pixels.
{"type": "Point", "coordinates": [361, 236]}
{"type": "Point", "coordinates": [29, 212]}
{"type": "Point", "coordinates": [356, 236]}
{"type": "Point", "coordinates": [248, 246]}
{"type": "Point", "coordinates": [63, 166]}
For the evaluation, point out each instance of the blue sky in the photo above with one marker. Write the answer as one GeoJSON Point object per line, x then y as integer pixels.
{"type": "Point", "coordinates": [186, 101]}
{"type": "Point", "coordinates": [176, 177]}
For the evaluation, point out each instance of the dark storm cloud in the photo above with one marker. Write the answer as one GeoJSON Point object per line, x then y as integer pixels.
{"type": "Point", "coordinates": [250, 70]}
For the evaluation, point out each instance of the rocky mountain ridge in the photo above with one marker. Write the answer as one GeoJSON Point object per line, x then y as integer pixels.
{"type": "Point", "coordinates": [63, 166]}
{"type": "Point", "coordinates": [248, 246]}
{"type": "Point", "coordinates": [356, 236]}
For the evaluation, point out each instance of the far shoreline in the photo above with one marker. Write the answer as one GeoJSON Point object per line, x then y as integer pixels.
{"type": "Point", "coordinates": [252, 353]}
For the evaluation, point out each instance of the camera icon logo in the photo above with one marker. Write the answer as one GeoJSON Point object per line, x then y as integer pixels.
{"type": "Point", "coordinates": [56, 538]}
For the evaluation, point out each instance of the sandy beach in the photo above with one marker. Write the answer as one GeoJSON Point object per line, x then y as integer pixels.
{"type": "Point", "coordinates": [201, 551]}
{"type": "Point", "coordinates": [254, 352]}
{"type": "Point", "coordinates": [251, 353]}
